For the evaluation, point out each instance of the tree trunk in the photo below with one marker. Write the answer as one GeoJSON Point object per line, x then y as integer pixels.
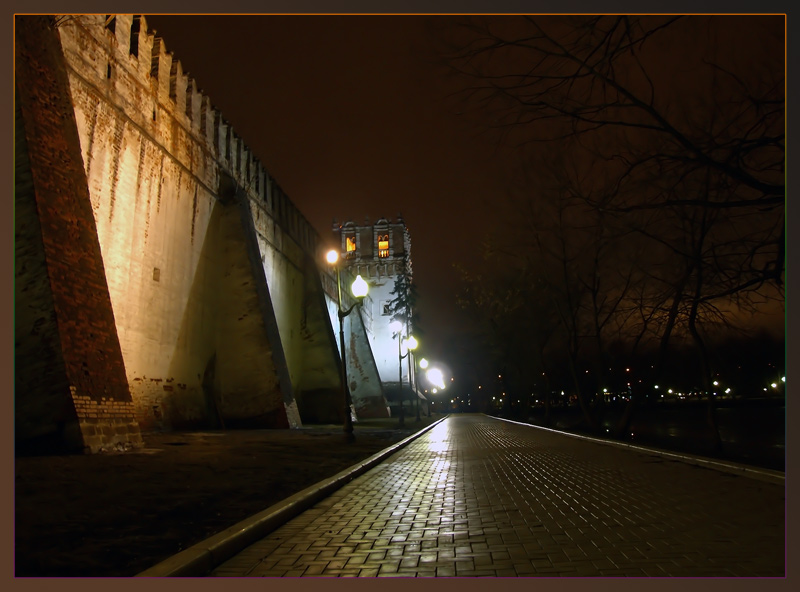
{"type": "Point", "coordinates": [711, 411]}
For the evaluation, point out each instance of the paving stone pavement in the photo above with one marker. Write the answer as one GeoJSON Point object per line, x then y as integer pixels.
{"type": "Point", "coordinates": [477, 496]}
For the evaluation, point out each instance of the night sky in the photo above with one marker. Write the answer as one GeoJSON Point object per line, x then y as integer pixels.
{"type": "Point", "coordinates": [352, 115]}
{"type": "Point", "coordinates": [355, 118]}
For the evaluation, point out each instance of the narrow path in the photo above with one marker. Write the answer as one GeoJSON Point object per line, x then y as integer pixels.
{"type": "Point", "coordinates": [476, 496]}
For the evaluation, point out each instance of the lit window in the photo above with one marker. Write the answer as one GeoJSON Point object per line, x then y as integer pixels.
{"type": "Point", "coordinates": [383, 245]}
{"type": "Point", "coordinates": [350, 243]}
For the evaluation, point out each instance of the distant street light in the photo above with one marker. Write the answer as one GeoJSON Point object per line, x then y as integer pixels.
{"type": "Point", "coordinates": [436, 377]}
{"type": "Point", "coordinates": [359, 289]}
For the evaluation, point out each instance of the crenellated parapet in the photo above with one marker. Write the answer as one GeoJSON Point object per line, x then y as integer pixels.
{"type": "Point", "coordinates": [122, 59]}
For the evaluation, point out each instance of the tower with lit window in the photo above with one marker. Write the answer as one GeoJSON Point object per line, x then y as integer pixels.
{"type": "Point", "coordinates": [381, 254]}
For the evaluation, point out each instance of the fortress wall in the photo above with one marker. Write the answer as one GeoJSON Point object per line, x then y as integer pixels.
{"type": "Point", "coordinates": [157, 155]}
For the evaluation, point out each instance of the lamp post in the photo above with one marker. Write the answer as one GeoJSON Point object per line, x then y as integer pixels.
{"type": "Point", "coordinates": [359, 290]}
{"type": "Point", "coordinates": [423, 363]}
{"type": "Point", "coordinates": [402, 421]}
{"type": "Point", "coordinates": [436, 378]}
{"type": "Point", "coordinates": [411, 343]}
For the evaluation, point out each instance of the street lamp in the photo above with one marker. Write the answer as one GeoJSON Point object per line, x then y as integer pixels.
{"type": "Point", "coordinates": [411, 343]}
{"type": "Point", "coordinates": [436, 377]}
{"type": "Point", "coordinates": [359, 290]}
{"type": "Point", "coordinates": [423, 363]}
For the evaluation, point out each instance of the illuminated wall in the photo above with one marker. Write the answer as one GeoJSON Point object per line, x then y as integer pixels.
{"type": "Point", "coordinates": [212, 273]}
{"type": "Point", "coordinates": [366, 388]}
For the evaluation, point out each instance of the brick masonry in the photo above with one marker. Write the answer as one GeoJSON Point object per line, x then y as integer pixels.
{"type": "Point", "coordinates": [480, 497]}
{"type": "Point", "coordinates": [83, 356]}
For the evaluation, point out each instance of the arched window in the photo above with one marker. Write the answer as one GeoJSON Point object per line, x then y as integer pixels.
{"type": "Point", "coordinates": [383, 245]}
{"type": "Point", "coordinates": [350, 244]}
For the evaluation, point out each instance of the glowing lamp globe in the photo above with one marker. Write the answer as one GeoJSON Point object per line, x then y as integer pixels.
{"type": "Point", "coordinates": [360, 287]}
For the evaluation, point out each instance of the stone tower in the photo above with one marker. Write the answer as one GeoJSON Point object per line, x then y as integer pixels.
{"type": "Point", "coordinates": [381, 254]}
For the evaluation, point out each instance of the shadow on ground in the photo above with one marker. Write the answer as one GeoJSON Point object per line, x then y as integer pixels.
{"type": "Point", "coordinates": [118, 514]}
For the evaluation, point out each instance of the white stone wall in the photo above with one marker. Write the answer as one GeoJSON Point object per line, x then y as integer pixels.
{"type": "Point", "coordinates": [384, 344]}
{"type": "Point", "coordinates": [194, 323]}
{"type": "Point", "coordinates": [152, 209]}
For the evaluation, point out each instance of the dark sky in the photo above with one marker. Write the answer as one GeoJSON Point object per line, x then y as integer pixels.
{"type": "Point", "coordinates": [354, 117]}
{"type": "Point", "coordinates": [351, 116]}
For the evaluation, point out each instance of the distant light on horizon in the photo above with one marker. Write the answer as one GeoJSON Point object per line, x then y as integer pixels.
{"type": "Point", "coordinates": [435, 376]}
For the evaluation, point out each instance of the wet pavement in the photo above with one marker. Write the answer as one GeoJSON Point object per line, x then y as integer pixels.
{"type": "Point", "coordinates": [477, 496]}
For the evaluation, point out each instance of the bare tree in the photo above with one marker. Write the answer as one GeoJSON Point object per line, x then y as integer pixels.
{"type": "Point", "coordinates": [649, 95]}
{"type": "Point", "coordinates": [680, 123]}
{"type": "Point", "coordinates": [512, 319]}
{"type": "Point", "coordinates": [566, 278]}
{"type": "Point", "coordinates": [590, 74]}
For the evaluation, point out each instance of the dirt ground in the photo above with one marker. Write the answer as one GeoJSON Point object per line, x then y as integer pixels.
{"type": "Point", "coordinates": [118, 514]}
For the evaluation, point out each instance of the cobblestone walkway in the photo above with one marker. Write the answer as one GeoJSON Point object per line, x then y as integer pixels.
{"type": "Point", "coordinates": [476, 496]}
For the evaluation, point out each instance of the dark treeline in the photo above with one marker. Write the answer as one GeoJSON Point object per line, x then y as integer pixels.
{"type": "Point", "coordinates": [642, 232]}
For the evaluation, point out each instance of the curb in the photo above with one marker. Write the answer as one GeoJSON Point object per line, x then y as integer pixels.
{"type": "Point", "coordinates": [201, 558]}
{"type": "Point", "coordinates": [742, 470]}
